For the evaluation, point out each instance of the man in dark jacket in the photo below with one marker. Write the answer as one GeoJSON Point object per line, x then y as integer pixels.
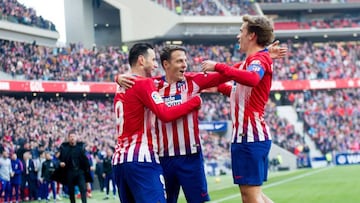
{"type": "Point", "coordinates": [48, 168]}
{"type": "Point", "coordinates": [75, 166]}
{"type": "Point", "coordinates": [29, 178]}
{"type": "Point", "coordinates": [108, 173]}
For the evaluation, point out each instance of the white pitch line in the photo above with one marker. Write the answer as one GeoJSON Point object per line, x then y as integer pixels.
{"type": "Point", "coordinates": [273, 184]}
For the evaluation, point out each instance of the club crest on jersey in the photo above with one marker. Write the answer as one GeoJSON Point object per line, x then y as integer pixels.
{"type": "Point", "coordinates": [180, 85]}
{"type": "Point", "coordinates": [156, 97]}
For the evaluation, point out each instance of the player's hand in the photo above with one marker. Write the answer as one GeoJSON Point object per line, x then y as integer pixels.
{"type": "Point", "coordinates": [126, 81]}
{"type": "Point", "coordinates": [277, 51]}
{"type": "Point", "coordinates": [201, 101]}
{"type": "Point", "coordinates": [62, 164]}
{"type": "Point", "coordinates": [208, 65]}
{"type": "Point", "coordinates": [198, 97]}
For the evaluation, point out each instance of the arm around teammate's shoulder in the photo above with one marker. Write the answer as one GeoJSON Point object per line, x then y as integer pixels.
{"type": "Point", "coordinates": [151, 98]}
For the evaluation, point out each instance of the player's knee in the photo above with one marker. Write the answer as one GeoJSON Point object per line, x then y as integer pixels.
{"type": "Point", "coordinates": [250, 194]}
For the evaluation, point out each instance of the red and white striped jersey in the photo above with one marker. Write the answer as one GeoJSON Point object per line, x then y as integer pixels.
{"type": "Point", "coordinates": [248, 96]}
{"type": "Point", "coordinates": [135, 111]}
{"type": "Point", "coordinates": [181, 136]}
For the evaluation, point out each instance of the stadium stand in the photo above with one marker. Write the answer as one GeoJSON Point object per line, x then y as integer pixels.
{"type": "Point", "coordinates": [332, 119]}
{"type": "Point", "coordinates": [15, 12]}
{"type": "Point", "coordinates": [320, 79]}
{"type": "Point", "coordinates": [306, 61]}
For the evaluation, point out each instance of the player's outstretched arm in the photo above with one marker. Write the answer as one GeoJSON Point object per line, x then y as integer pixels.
{"type": "Point", "coordinates": [207, 80]}
{"type": "Point", "coordinates": [275, 50]}
{"type": "Point", "coordinates": [249, 78]}
{"type": "Point", "coordinates": [152, 99]}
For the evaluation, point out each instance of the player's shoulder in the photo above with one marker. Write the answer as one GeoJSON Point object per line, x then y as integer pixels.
{"type": "Point", "coordinates": [159, 77]}
{"type": "Point", "coordinates": [142, 81]}
{"type": "Point", "coordinates": [262, 55]}
{"type": "Point", "coordinates": [191, 75]}
{"type": "Point", "coordinates": [158, 80]}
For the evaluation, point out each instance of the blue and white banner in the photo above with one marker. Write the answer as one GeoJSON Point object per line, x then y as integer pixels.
{"type": "Point", "coordinates": [346, 159]}
{"type": "Point", "coordinates": [216, 126]}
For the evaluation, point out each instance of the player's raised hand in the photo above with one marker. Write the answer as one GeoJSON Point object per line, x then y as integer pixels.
{"type": "Point", "coordinates": [125, 80]}
{"type": "Point", "coordinates": [208, 65]}
{"type": "Point", "coordinates": [276, 51]}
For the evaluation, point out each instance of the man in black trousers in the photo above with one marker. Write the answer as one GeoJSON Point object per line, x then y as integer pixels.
{"type": "Point", "coordinates": [74, 167]}
{"type": "Point", "coordinates": [99, 169]}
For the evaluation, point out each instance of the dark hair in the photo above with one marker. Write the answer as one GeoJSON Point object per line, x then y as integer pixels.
{"type": "Point", "coordinates": [72, 131]}
{"type": "Point", "coordinates": [262, 27]}
{"type": "Point", "coordinates": [137, 50]}
{"type": "Point", "coordinates": [166, 52]}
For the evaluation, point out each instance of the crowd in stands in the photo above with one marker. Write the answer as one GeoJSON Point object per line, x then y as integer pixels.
{"type": "Point", "coordinates": [309, 61]}
{"type": "Point", "coordinates": [73, 63]}
{"type": "Point", "coordinates": [15, 12]}
{"type": "Point", "coordinates": [39, 125]}
{"type": "Point", "coordinates": [48, 120]}
{"type": "Point", "coordinates": [198, 8]}
{"type": "Point", "coordinates": [332, 118]}
{"type": "Point", "coordinates": [209, 7]}
{"type": "Point", "coordinates": [239, 7]}
{"type": "Point", "coordinates": [344, 22]}
{"type": "Point", "coordinates": [305, 1]}
{"type": "Point", "coordinates": [214, 107]}
{"type": "Point", "coordinates": [282, 131]}
{"type": "Point", "coordinates": [44, 122]}
{"type": "Point", "coordinates": [227, 7]}
{"type": "Point", "coordinates": [305, 61]}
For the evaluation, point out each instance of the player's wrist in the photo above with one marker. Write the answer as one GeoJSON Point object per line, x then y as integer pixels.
{"type": "Point", "coordinates": [117, 79]}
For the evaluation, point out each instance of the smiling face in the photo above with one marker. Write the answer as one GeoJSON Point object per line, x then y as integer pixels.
{"type": "Point", "coordinates": [175, 66]}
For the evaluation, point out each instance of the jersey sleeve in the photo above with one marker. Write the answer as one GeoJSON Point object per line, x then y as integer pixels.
{"type": "Point", "coordinates": [245, 77]}
{"type": "Point", "coordinates": [225, 89]}
{"type": "Point", "coordinates": [152, 99]}
{"type": "Point", "coordinates": [237, 65]}
{"type": "Point", "coordinates": [207, 80]}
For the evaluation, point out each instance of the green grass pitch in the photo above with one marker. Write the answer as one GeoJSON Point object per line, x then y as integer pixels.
{"type": "Point", "coordinates": [323, 185]}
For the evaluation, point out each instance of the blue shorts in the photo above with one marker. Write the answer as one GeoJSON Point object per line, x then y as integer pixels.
{"type": "Point", "coordinates": [250, 162]}
{"type": "Point", "coordinates": [140, 182]}
{"type": "Point", "coordinates": [187, 172]}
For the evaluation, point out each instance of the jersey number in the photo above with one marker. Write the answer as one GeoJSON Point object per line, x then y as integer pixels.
{"type": "Point", "coordinates": [119, 114]}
